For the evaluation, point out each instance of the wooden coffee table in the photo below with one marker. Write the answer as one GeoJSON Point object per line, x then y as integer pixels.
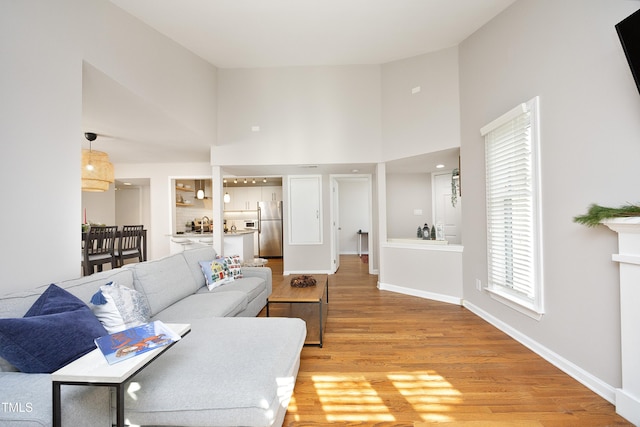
{"type": "Point", "coordinates": [309, 304]}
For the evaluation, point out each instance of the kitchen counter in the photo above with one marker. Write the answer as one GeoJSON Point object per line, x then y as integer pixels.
{"type": "Point", "coordinates": [239, 242]}
{"type": "Point", "coordinates": [189, 240]}
{"type": "Point", "coordinates": [239, 232]}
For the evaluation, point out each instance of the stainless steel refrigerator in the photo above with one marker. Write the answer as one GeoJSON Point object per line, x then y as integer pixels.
{"type": "Point", "coordinates": [270, 229]}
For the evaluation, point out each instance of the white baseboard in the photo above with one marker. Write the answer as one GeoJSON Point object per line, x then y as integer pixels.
{"type": "Point", "coordinates": [596, 385]}
{"type": "Point", "coordinates": [418, 293]}
{"type": "Point", "coordinates": [628, 406]}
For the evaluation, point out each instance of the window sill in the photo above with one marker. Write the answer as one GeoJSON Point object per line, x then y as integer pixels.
{"type": "Point", "coordinates": [512, 302]}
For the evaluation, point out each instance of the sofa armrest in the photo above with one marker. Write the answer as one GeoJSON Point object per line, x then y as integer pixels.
{"type": "Point", "coordinates": [262, 272]}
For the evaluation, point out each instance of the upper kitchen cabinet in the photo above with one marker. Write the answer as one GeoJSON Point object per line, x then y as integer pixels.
{"type": "Point", "coordinates": [243, 198]}
{"type": "Point", "coordinates": [271, 194]}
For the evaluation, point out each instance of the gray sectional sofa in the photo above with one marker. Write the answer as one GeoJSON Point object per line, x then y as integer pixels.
{"type": "Point", "coordinates": [232, 369]}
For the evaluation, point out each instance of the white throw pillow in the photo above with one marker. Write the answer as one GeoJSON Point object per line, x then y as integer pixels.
{"type": "Point", "coordinates": [119, 307]}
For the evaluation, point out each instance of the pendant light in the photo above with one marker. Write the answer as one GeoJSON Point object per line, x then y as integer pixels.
{"type": "Point", "coordinates": [227, 197]}
{"type": "Point", "coordinates": [96, 169]}
{"type": "Point", "coordinates": [200, 187]}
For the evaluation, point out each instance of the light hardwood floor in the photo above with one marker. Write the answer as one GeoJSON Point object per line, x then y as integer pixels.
{"type": "Point", "coordinates": [395, 360]}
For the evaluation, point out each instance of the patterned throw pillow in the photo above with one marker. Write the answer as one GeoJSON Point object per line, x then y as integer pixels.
{"type": "Point", "coordinates": [216, 273]}
{"type": "Point", "coordinates": [234, 265]}
{"type": "Point", "coordinates": [119, 307]}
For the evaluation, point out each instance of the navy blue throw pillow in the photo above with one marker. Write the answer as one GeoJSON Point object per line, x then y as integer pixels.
{"type": "Point", "coordinates": [57, 329]}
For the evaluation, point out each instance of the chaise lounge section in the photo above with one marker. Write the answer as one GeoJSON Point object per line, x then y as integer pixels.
{"type": "Point", "coordinates": [232, 369]}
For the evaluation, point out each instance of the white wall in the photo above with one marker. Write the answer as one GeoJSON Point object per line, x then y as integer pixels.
{"type": "Point", "coordinates": [43, 44]}
{"type": "Point", "coordinates": [567, 53]}
{"type": "Point", "coordinates": [100, 207]}
{"type": "Point", "coordinates": [132, 206]}
{"type": "Point", "coordinates": [305, 114]}
{"type": "Point", "coordinates": [428, 120]}
{"type": "Point", "coordinates": [405, 193]}
{"type": "Point", "coordinates": [425, 271]}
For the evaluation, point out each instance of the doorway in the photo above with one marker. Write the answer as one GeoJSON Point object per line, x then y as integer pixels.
{"type": "Point", "coordinates": [351, 213]}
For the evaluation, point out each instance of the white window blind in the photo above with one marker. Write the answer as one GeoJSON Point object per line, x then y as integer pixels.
{"type": "Point", "coordinates": [513, 219]}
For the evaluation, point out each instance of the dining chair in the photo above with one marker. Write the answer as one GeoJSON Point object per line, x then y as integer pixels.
{"type": "Point", "coordinates": [129, 243]}
{"type": "Point", "coordinates": [99, 248]}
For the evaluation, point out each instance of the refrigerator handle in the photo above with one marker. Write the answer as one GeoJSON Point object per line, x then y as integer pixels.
{"type": "Point", "coordinates": [259, 219]}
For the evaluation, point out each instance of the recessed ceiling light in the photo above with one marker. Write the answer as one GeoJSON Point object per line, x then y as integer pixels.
{"type": "Point", "coordinates": [440, 166]}
{"type": "Point", "coordinates": [126, 183]}
{"type": "Point", "coordinates": [355, 170]}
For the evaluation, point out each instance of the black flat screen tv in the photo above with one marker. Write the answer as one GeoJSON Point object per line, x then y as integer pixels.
{"type": "Point", "coordinates": [629, 33]}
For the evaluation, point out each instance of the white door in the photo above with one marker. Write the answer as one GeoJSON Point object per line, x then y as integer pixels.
{"type": "Point", "coordinates": [305, 210]}
{"type": "Point", "coordinates": [443, 210]}
{"type": "Point", "coordinates": [335, 224]}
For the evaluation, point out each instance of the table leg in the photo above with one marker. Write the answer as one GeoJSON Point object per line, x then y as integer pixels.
{"type": "Point", "coordinates": [326, 289]}
{"type": "Point", "coordinates": [120, 405]}
{"type": "Point", "coordinates": [57, 415]}
{"type": "Point", "coordinates": [320, 317]}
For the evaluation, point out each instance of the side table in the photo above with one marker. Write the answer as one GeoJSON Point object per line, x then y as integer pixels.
{"type": "Point", "coordinates": [93, 369]}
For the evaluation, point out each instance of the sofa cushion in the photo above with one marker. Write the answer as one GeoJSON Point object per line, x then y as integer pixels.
{"type": "Point", "coordinates": [193, 258]}
{"type": "Point", "coordinates": [204, 306]}
{"type": "Point", "coordinates": [251, 286]}
{"type": "Point", "coordinates": [243, 370]}
{"type": "Point", "coordinates": [16, 304]}
{"type": "Point", "coordinates": [119, 308]}
{"type": "Point", "coordinates": [56, 330]}
{"type": "Point", "coordinates": [163, 281]}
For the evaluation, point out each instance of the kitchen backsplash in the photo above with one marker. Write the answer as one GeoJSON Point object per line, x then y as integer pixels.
{"type": "Point", "coordinates": [184, 214]}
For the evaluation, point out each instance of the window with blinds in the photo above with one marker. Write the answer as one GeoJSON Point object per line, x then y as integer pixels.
{"type": "Point", "coordinates": [513, 214]}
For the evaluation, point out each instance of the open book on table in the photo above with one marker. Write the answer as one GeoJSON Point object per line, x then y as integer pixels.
{"type": "Point", "coordinates": [126, 344]}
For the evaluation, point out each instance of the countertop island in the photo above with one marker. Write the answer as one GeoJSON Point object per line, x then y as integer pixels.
{"type": "Point", "coordinates": [238, 242]}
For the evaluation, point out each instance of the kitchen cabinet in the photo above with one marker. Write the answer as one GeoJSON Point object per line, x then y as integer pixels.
{"type": "Point", "coordinates": [271, 193]}
{"type": "Point", "coordinates": [305, 210]}
{"type": "Point", "coordinates": [243, 198]}
{"type": "Point", "coordinates": [232, 199]}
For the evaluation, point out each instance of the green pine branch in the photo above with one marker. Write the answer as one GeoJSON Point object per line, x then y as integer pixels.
{"type": "Point", "coordinates": [597, 213]}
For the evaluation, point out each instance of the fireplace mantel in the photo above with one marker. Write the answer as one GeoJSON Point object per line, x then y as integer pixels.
{"type": "Point", "coordinates": [628, 257]}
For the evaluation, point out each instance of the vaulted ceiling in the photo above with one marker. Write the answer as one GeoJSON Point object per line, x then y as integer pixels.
{"type": "Point", "coordinates": [268, 33]}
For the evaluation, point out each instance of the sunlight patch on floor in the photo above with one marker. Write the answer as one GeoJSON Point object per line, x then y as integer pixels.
{"type": "Point", "coordinates": [429, 394]}
{"type": "Point", "coordinates": [293, 408]}
{"type": "Point", "coordinates": [350, 398]}
{"type": "Point", "coordinates": [353, 398]}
